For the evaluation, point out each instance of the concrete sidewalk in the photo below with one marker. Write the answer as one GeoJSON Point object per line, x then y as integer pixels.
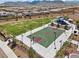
{"type": "Point", "coordinates": [9, 53]}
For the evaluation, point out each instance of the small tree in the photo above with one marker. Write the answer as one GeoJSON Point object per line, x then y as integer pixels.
{"type": "Point", "coordinates": [58, 25]}
{"type": "Point", "coordinates": [66, 17]}
{"type": "Point", "coordinates": [77, 23]}
{"type": "Point", "coordinates": [13, 44]}
{"type": "Point", "coordinates": [31, 52]}
{"type": "Point", "coordinates": [66, 27]}
{"type": "Point", "coordinates": [52, 24]}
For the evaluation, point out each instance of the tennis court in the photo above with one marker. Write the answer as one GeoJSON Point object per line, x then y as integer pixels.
{"type": "Point", "coordinates": [46, 36]}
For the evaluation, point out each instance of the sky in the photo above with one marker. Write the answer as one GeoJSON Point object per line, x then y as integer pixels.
{"type": "Point", "coordinates": [2, 1]}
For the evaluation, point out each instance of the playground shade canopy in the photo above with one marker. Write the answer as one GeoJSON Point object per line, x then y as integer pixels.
{"type": "Point", "coordinates": [62, 20]}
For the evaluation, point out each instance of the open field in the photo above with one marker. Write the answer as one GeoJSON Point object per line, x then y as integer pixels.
{"type": "Point", "coordinates": [46, 36]}
{"type": "Point", "coordinates": [23, 26]}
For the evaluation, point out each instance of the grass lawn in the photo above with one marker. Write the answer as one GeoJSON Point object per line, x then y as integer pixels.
{"type": "Point", "coordinates": [46, 36]}
{"type": "Point", "coordinates": [23, 26]}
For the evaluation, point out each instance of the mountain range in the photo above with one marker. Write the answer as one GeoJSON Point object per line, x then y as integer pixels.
{"type": "Point", "coordinates": [39, 3]}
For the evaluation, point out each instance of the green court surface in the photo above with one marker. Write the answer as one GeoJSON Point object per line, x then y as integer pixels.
{"type": "Point", "coordinates": [46, 36]}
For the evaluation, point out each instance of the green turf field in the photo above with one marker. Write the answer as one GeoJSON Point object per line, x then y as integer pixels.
{"type": "Point", "coordinates": [47, 35]}
{"type": "Point", "coordinates": [18, 28]}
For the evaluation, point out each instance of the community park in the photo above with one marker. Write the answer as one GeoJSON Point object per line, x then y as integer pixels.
{"type": "Point", "coordinates": [45, 36]}
{"type": "Point", "coordinates": [47, 39]}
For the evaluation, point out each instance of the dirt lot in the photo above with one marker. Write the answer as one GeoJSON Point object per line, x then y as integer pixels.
{"type": "Point", "coordinates": [2, 54]}
{"type": "Point", "coordinates": [69, 12]}
{"type": "Point", "coordinates": [73, 16]}
{"type": "Point", "coordinates": [20, 52]}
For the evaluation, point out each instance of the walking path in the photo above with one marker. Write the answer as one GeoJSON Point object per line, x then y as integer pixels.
{"type": "Point", "coordinates": [9, 53]}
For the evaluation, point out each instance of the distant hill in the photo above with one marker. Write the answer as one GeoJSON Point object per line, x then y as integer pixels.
{"type": "Point", "coordinates": [31, 3]}
{"type": "Point", "coordinates": [39, 3]}
{"type": "Point", "coordinates": [15, 3]}
{"type": "Point", "coordinates": [71, 2]}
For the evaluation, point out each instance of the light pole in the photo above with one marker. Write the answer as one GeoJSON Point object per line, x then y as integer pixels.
{"type": "Point", "coordinates": [54, 40]}
{"type": "Point", "coordinates": [60, 43]}
{"type": "Point", "coordinates": [22, 39]}
{"type": "Point", "coordinates": [30, 35]}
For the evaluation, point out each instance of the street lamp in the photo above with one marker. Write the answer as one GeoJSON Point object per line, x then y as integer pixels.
{"type": "Point", "coordinates": [22, 38]}
{"type": "Point", "coordinates": [60, 43]}
{"type": "Point", "coordinates": [30, 35]}
{"type": "Point", "coordinates": [54, 40]}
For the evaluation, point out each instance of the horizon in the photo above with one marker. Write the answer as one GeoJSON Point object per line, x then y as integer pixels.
{"type": "Point", "coordinates": [2, 1]}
